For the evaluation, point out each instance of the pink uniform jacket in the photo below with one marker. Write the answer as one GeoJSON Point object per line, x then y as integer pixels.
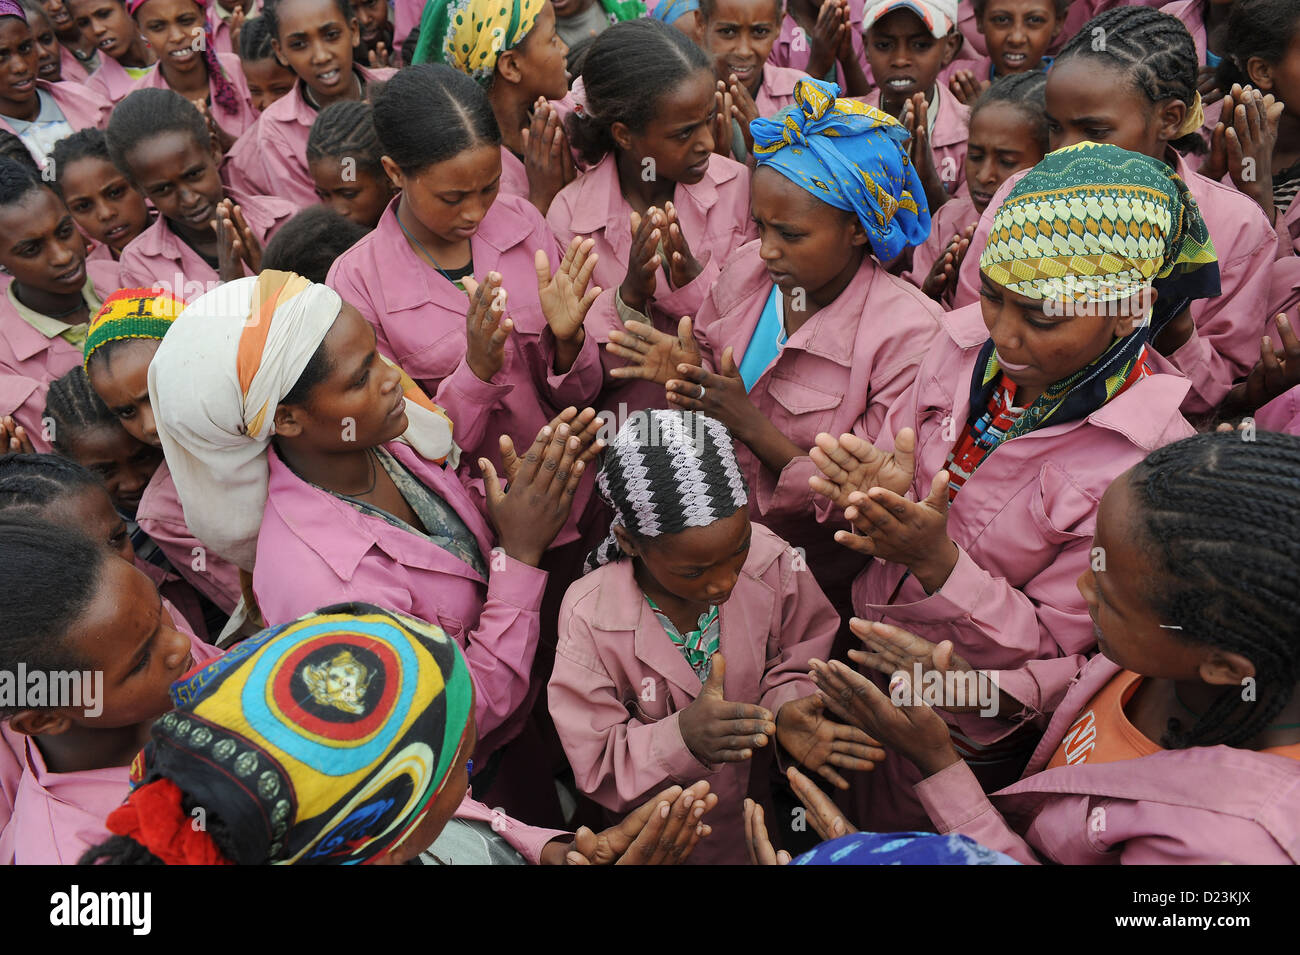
{"type": "Point", "coordinates": [271, 158]}
{"type": "Point", "coordinates": [111, 81]}
{"type": "Point", "coordinates": [1229, 327]}
{"type": "Point", "coordinates": [948, 220]}
{"type": "Point", "coordinates": [776, 92]}
{"type": "Point", "coordinates": [1281, 414]}
{"type": "Point", "coordinates": [219, 29]}
{"type": "Point", "coordinates": [419, 319]}
{"type": "Point", "coordinates": [233, 123]}
{"type": "Point", "coordinates": [947, 138]}
{"type": "Point", "coordinates": [528, 841]}
{"type": "Point", "coordinates": [620, 682]}
{"type": "Point", "coordinates": [840, 372]}
{"type": "Point", "coordinates": [714, 215]}
{"type": "Point", "coordinates": [793, 46]}
{"type": "Point", "coordinates": [81, 106]}
{"type": "Point", "coordinates": [1206, 805]}
{"type": "Point", "coordinates": [71, 69]}
{"type": "Point", "coordinates": [315, 549]}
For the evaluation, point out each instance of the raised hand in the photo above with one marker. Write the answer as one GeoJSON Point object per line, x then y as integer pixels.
{"type": "Point", "coordinates": [720, 395]}
{"type": "Point", "coordinates": [823, 815]}
{"type": "Point", "coordinates": [743, 109]}
{"type": "Point", "coordinates": [721, 125]}
{"type": "Point", "coordinates": [236, 23]}
{"type": "Point", "coordinates": [14, 438]}
{"type": "Point", "coordinates": [965, 87]}
{"type": "Point", "coordinates": [942, 277]}
{"type": "Point", "coordinates": [651, 354]}
{"type": "Point", "coordinates": [757, 841]}
{"type": "Point", "coordinates": [905, 532]}
{"type": "Point", "coordinates": [821, 743]}
{"type": "Point", "coordinates": [716, 730]}
{"type": "Point", "coordinates": [827, 36]}
{"type": "Point", "coordinates": [662, 831]}
{"type": "Point", "coordinates": [486, 327]}
{"type": "Point", "coordinates": [584, 425]}
{"type": "Point", "coordinates": [221, 140]}
{"type": "Point", "coordinates": [547, 159]}
{"type": "Point", "coordinates": [380, 57]}
{"type": "Point", "coordinates": [643, 259]}
{"type": "Point", "coordinates": [849, 463]}
{"type": "Point", "coordinates": [564, 296]}
{"type": "Point", "coordinates": [1249, 135]}
{"type": "Point", "coordinates": [682, 265]}
{"type": "Point", "coordinates": [1273, 375]}
{"type": "Point", "coordinates": [916, 118]}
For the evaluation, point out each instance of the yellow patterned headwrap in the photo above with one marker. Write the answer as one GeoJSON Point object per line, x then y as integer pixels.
{"type": "Point", "coordinates": [471, 35]}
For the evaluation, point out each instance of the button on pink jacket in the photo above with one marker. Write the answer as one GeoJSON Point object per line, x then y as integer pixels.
{"type": "Point", "coordinates": [620, 682]}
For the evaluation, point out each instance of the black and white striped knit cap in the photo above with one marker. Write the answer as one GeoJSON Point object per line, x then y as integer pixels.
{"type": "Point", "coordinates": [665, 471]}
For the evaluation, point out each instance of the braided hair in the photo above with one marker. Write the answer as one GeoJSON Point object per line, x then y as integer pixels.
{"type": "Point", "coordinates": [17, 181]}
{"type": "Point", "coordinates": [73, 407]}
{"type": "Point", "coordinates": [1262, 28]}
{"type": "Point", "coordinates": [1152, 47]}
{"type": "Point", "coordinates": [347, 129]}
{"type": "Point", "coordinates": [32, 482]}
{"type": "Point", "coordinates": [11, 147]}
{"type": "Point", "coordinates": [1025, 92]}
{"type": "Point", "coordinates": [1222, 518]}
{"type": "Point", "coordinates": [665, 471]}
{"type": "Point", "coordinates": [432, 112]}
{"type": "Point", "coordinates": [147, 113]}
{"type": "Point", "coordinates": [86, 143]}
{"type": "Point", "coordinates": [255, 40]}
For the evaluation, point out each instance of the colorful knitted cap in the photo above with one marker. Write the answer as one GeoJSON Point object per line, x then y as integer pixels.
{"type": "Point", "coordinates": [132, 313]}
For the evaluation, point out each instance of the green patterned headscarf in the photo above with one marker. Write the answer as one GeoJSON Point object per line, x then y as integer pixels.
{"type": "Point", "coordinates": [471, 35]}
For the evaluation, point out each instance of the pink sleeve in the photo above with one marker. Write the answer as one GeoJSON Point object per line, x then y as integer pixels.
{"type": "Point", "coordinates": [578, 386]}
{"type": "Point", "coordinates": [468, 400]}
{"type": "Point", "coordinates": [527, 840]}
{"type": "Point", "coordinates": [343, 278]}
{"type": "Point", "coordinates": [956, 803]}
{"type": "Point", "coordinates": [805, 631]}
{"type": "Point", "coordinates": [216, 579]}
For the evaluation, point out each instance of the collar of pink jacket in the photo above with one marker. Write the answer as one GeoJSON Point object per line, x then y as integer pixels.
{"type": "Point", "coordinates": [599, 203]}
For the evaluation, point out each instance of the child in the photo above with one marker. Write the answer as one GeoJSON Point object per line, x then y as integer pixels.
{"type": "Point", "coordinates": [84, 609]}
{"type": "Point", "coordinates": [226, 21]}
{"type": "Point", "coordinates": [49, 51]}
{"type": "Point", "coordinates": [578, 19]}
{"type": "Point", "coordinates": [79, 57]}
{"type": "Point", "coordinates": [1216, 42]}
{"type": "Point", "coordinates": [345, 159]}
{"type": "Point", "coordinates": [265, 76]}
{"type": "Point", "coordinates": [824, 40]}
{"type": "Point", "coordinates": [108, 209]}
{"type": "Point", "coordinates": [646, 121]}
{"type": "Point", "coordinates": [686, 646]}
{"type": "Point", "coordinates": [1017, 419]}
{"type": "Point", "coordinates": [1017, 34]}
{"type": "Point", "coordinates": [522, 72]}
{"type": "Point", "coordinates": [907, 53]}
{"type": "Point", "coordinates": [804, 331]}
{"type": "Point", "coordinates": [1008, 132]}
{"type": "Point", "coordinates": [308, 798]}
{"type": "Point", "coordinates": [125, 55]}
{"type": "Point", "coordinates": [314, 38]}
{"type": "Point", "coordinates": [161, 143]}
{"type": "Point", "coordinates": [376, 47]}
{"type": "Point", "coordinates": [212, 81]}
{"type": "Point", "coordinates": [1156, 738]}
{"type": "Point", "coordinates": [444, 235]}
{"type": "Point", "coordinates": [39, 112]}
{"type": "Point", "coordinates": [310, 242]}
{"type": "Point", "coordinates": [1139, 93]}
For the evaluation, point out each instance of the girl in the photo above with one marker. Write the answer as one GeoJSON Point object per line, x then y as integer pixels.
{"type": "Point", "coordinates": [266, 77]}
{"type": "Point", "coordinates": [1207, 22]}
{"type": "Point", "coordinates": [204, 232]}
{"type": "Point", "coordinates": [907, 53]}
{"type": "Point", "coordinates": [824, 40]}
{"type": "Point", "coordinates": [126, 54]}
{"type": "Point", "coordinates": [309, 797]}
{"type": "Point", "coordinates": [522, 72]}
{"type": "Point", "coordinates": [226, 21]}
{"type": "Point", "coordinates": [784, 351]}
{"type": "Point", "coordinates": [697, 623]}
{"type": "Point", "coordinates": [78, 57]}
{"type": "Point", "coordinates": [84, 609]}
{"type": "Point", "coordinates": [310, 242]}
{"type": "Point", "coordinates": [376, 47]}
{"type": "Point", "coordinates": [50, 53]}
{"type": "Point", "coordinates": [190, 64]}
{"type": "Point", "coordinates": [646, 119]}
{"type": "Point", "coordinates": [314, 38]}
{"type": "Point", "coordinates": [1008, 132]}
{"type": "Point", "coordinates": [1006, 471]}
{"type": "Point", "coordinates": [39, 112]}
{"type": "Point", "coordinates": [120, 344]}
{"type": "Point", "coordinates": [108, 209]}
{"type": "Point", "coordinates": [445, 233]}
{"type": "Point", "coordinates": [1156, 737]}
{"type": "Point", "coordinates": [1139, 93]}
{"type": "Point", "coordinates": [1017, 34]}
{"type": "Point", "coordinates": [346, 163]}
{"type": "Point", "coordinates": [353, 512]}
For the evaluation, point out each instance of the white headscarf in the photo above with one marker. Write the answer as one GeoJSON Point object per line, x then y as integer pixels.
{"type": "Point", "coordinates": [215, 382]}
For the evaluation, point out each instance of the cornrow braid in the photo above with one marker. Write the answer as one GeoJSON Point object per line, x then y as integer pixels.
{"type": "Point", "coordinates": [32, 482]}
{"type": "Point", "coordinates": [86, 143]}
{"type": "Point", "coordinates": [1222, 517]}
{"type": "Point", "coordinates": [1027, 93]}
{"type": "Point", "coordinates": [72, 407]}
{"type": "Point", "coordinates": [347, 129]}
{"type": "Point", "coordinates": [1153, 47]}
{"type": "Point", "coordinates": [255, 40]}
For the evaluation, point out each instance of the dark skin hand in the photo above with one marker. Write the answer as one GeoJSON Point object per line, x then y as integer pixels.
{"type": "Point", "coordinates": [1272, 376]}
{"type": "Point", "coordinates": [683, 267]}
{"type": "Point", "coordinates": [583, 425]}
{"type": "Point", "coordinates": [1243, 142]}
{"type": "Point", "coordinates": [965, 87]}
{"type": "Point", "coordinates": [486, 326]}
{"type": "Point", "coordinates": [547, 157]}
{"type": "Point", "coordinates": [379, 56]}
{"type": "Point", "coordinates": [14, 438]}
{"type": "Point", "coordinates": [823, 815]}
{"type": "Point", "coordinates": [643, 259]}
{"type": "Point", "coordinates": [821, 744]}
{"type": "Point", "coordinates": [743, 110]}
{"type": "Point", "coordinates": [851, 464]}
{"type": "Point", "coordinates": [916, 119]}
{"type": "Point", "coordinates": [236, 245]}
{"type": "Point", "coordinates": [662, 831]}
{"type": "Point", "coordinates": [942, 278]}
{"type": "Point", "coordinates": [651, 354]}
{"type": "Point", "coordinates": [722, 120]}
{"type": "Point", "coordinates": [716, 730]}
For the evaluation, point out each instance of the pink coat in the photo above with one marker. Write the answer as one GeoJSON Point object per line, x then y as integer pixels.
{"type": "Point", "coordinates": [947, 139]}
{"type": "Point", "coordinates": [315, 549]}
{"type": "Point", "coordinates": [159, 256]}
{"type": "Point", "coordinates": [793, 47]}
{"type": "Point", "coordinates": [233, 123]}
{"type": "Point", "coordinates": [71, 69]}
{"type": "Point", "coordinates": [1281, 414]}
{"type": "Point", "coordinates": [1229, 327]}
{"type": "Point", "coordinates": [111, 81]}
{"type": "Point", "coordinates": [160, 516]}
{"type": "Point", "coordinates": [219, 29]}
{"type": "Point", "coordinates": [24, 398]}
{"type": "Point", "coordinates": [840, 372]}
{"type": "Point", "coordinates": [82, 107]}
{"type": "Point", "coordinates": [776, 92]}
{"type": "Point", "coordinates": [271, 157]}
{"type": "Point", "coordinates": [528, 841]}
{"type": "Point", "coordinates": [715, 220]}
{"type": "Point", "coordinates": [948, 220]}
{"type": "Point", "coordinates": [614, 657]}
{"type": "Point", "coordinates": [419, 320]}
{"type": "Point", "coordinates": [1207, 805]}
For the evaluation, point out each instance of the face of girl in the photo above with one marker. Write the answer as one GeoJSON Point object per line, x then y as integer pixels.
{"type": "Point", "coordinates": [541, 57]}
{"type": "Point", "coordinates": [372, 16]}
{"type": "Point", "coordinates": [121, 379]}
{"type": "Point", "coordinates": [450, 198]}
{"type": "Point", "coordinates": [48, 65]}
{"type": "Point", "coordinates": [1037, 349]}
{"type": "Point", "coordinates": [103, 202]}
{"type": "Point", "coordinates": [18, 57]}
{"type": "Point", "coordinates": [267, 81]}
{"type": "Point", "coordinates": [362, 196]}
{"type": "Point", "coordinates": [739, 36]}
{"type": "Point", "coordinates": [90, 511]}
{"type": "Point", "coordinates": [179, 176]}
{"type": "Point", "coordinates": [905, 57]}
{"type": "Point", "coordinates": [442, 807]}
{"type": "Point", "coordinates": [59, 14]}
{"type": "Point", "coordinates": [172, 28]}
{"type": "Point", "coordinates": [360, 386]}
{"type": "Point", "coordinates": [699, 564]}
{"type": "Point", "coordinates": [119, 460]}
{"type": "Point", "coordinates": [1018, 33]}
{"type": "Point", "coordinates": [43, 249]}
{"type": "Point", "coordinates": [1085, 103]}
{"type": "Point", "coordinates": [107, 23]}
{"type": "Point", "coordinates": [677, 137]}
{"type": "Point", "coordinates": [805, 243]}
{"type": "Point", "coordinates": [316, 42]}
{"type": "Point", "coordinates": [1282, 78]}
{"type": "Point", "coordinates": [999, 144]}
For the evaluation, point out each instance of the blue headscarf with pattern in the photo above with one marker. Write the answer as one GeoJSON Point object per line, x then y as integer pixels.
{"type": "Point", "coordinates": [850, 156]}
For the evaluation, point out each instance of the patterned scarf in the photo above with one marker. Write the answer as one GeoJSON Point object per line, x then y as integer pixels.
{"type": "Point", "coordinates": [471, 35]}
{"type": "Point", "coordinates": [132, 313]}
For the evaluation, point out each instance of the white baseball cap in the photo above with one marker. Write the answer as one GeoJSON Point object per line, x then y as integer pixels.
{"type": "Point", "coordinates": [939, 15]}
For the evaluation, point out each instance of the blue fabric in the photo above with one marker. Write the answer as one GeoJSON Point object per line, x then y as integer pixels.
{"type": "Point", "coordinates": [765, 344]}
{"type": "Point", "coordinates": [670, 10]}
{"type": "Point", "coordinates": [902, 848]}
{"type": "Point", "coordinates": [1212, 60]}
{"type": "Point", "coordinates": [850, 156]}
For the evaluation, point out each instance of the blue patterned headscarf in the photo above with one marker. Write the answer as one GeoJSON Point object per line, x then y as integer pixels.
{"type": "Point", "coordinates": [670, 10]}
{"type": "Point", "coordinates": [850, 156]}
{"type": "Point", "coordinates": [903, 848]}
